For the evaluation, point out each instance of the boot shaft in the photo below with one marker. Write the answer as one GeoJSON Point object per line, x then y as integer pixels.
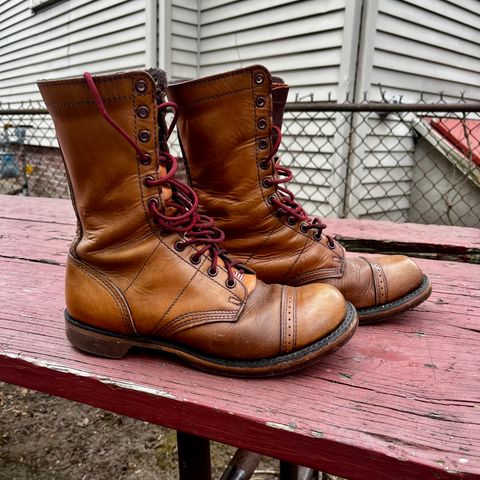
{"type": "Point", "coordinates": [229, 126]}
{"type": "Point", "coordinates": [105, 173]}
{"type": "Point", "coordinates": [224, 128]}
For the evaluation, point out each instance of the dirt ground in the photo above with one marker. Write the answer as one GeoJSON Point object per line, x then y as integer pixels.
{"type": "Point", "coordinates": [48, 438]}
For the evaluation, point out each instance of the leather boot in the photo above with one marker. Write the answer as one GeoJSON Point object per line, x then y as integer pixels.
{"type": "Point", "coordinates": [146, 269]}
{"type": "Point", "coordinates": [229, 127]}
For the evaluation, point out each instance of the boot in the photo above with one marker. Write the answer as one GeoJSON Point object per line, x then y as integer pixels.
{"type": "Point", "coordinates": [229, 127]}
{"type": "Point", "coordinates": [146, 269]}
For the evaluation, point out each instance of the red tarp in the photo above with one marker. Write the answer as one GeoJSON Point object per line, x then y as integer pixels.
{"type": "Point", "coordinates": [454, 131]}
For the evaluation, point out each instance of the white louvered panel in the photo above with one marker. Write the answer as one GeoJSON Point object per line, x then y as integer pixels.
{"type": "Point", "coordinates": [184, 39]}
{"type": "Point", "coordinates": [66, 39]}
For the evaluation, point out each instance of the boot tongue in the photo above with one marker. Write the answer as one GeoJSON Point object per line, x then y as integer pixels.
{"type": "Point", "coordinates": [279, 99]}
{"type": "Point", "coordinates": [160, 79]}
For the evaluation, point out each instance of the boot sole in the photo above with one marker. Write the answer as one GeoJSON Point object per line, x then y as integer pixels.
{"type": "Point", "coordinates": [411, 300]}
{"type": "Point", "coordinates": [103, 343]}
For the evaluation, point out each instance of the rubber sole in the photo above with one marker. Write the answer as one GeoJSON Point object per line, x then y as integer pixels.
{"type": "Point", "coordinates": [411, 300]}
{"type": "Point", "coordinates": [106, 344]}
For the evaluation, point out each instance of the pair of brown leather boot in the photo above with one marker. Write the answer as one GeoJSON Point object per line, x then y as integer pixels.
{"type": "Point", "coordinates": [149, 268]}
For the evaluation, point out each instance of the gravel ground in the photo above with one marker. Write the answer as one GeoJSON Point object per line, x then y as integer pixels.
{"type": "Point", "coordinates": [49, 438]}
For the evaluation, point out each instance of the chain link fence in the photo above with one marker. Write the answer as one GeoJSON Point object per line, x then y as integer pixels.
{"type": "Point", "coordinates": [400, 162]}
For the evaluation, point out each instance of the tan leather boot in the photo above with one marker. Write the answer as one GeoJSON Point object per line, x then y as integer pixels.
{"type": "Point", "coordinates": [145, 269]}
{"type": "Point", "coordinates": [229, 139]}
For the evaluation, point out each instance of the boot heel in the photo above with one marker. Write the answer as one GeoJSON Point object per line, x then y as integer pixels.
{"type": "Point", "coordinates": [95, 343]}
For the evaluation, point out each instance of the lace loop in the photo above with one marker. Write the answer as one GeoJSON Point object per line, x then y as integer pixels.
{"type": "Point", "coordinates": [198, 230]}
{"type": "Point", "coordinates": [284, 200]}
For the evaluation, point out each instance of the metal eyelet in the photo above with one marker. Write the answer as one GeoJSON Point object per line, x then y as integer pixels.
{"type": "Point", "coordinates": [262, 124]}
{"type": "Point", "coordinates": [144, 135]}
{"type": "Point", "coordinates": [212, 272]}
{"type": "Point", "coordinates": [143, 111]}
{"type": "Point", "coordinates": [270, 199]}
{"type": "Point", "coordinates": [145, 159]}
{"type": "Point", "coordinates": [230, 283]}
{"type": "Point", "coordinates": [331, 245]}
{"type": "Point", "coordinates": [264, 165]}
{"type": "Point", "coordinates": [153, 201]}
{"type": "Point", "coordinates": [141, 86]}
{"type": "Point", "coordinates": [263, 144]}
{"type": "Point", "coordinates": [195, 259]}
{"type": "Point", "coordinates": [266, 183]}
{"type": "Point", "coordinates": [147, 180]}
{"type": "Point", "coordinates": [292, 221]}
{"type": "Point", "coordinates": [303, 228]}
{"type": "Point", "coordinates": [260, 102]}
{"type": "Point", "coordinates": [179, 246]}
{"type": "Point", "coordinates": [259, 78]}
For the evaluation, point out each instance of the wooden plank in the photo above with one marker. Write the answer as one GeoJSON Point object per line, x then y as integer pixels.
{"type": "Point", "coordinates": [42, 228]}
{"type": "Point", "coordinates": [408, 387]}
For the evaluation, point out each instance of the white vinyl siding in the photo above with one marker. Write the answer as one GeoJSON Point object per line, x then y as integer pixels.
{"type": "Point", "coordinates": [298, 40]}
{"type": "Point", "coordinates": [184, 39]}
{"type": "Point", "coordinates": [66, 39]}
{"type": "Point", "coordinates": [409, 46]}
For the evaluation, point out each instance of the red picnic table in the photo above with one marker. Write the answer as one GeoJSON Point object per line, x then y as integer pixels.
{"type": "Point", "coordinates": [399, 401]}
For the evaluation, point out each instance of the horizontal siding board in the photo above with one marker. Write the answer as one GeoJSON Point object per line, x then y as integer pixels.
{"type": "Point", "coordinates": [83, 20]}
{"type": "Point", "coordinates": [326, 44]}
{"type": "Point", "coordinates": [448, 10]}
{"type": "Point", "coordinates": [14, 68]}
{"type": "Point", "coordinates": [184, 43]}
{"type": "Point", "coordinates": [238, 8]}
{"type": "Point", "coordinates": [184, 29]}
{"type": "Point", "coordinates": [185, 15]}
{"type": "Point", "coordinates": [422, 35]}
{"type": "Point", "coordinates": [268, 32]}
{"type": "Point", "coordinates": [428, 19]}
{"type": "Point", "coordinates": [275, 16]}
{"type": "Point", "coordinates": [63, 36]}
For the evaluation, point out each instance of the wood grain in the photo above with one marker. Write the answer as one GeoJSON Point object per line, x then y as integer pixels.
{"type": "Point", "coordinates": [400, 401]}
{"type": "Point", "coordinates": [35, 224]}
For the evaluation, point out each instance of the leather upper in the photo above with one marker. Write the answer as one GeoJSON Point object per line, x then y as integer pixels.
{"type": "Point", "coordinates": [127, 276]}
{"type": "Point", "coordinates": [225, 128]}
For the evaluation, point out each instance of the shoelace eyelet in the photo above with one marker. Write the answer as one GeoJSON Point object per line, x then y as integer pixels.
{"type": "Point", "coordinates": [145, 159]}
{"type": "Point", "coordinates": [259, 78]}
{"type": "Point", "coordinates": [331, 245]}
{"type": "Point", "coordinates": [262, 124]}
{"type": "Point", "coordinates": [266, 183]}
{"type": "Point", "coordinates": [270, 199]}
{"type": "Point", "coordinates": [264, 165]}
{"type": "Point", "coordinates": [317, 236]}
{"type": "Point", "coordinates": [230, 283]}
{"type": "Point", "coordinates": [143, 111]}
{"type": "Point", "coordinates": [195, 259]}
{"type": "Point", "coordinates": [303, 228]}
{"type": "Point", "coordinates": [179, 246]}
{"type": "Point", "coordinates": [141, 86]}
{"type": "Point", "coordinates": [144, 136]}
{"type": "Point", "coordinates": [212, 272]}
{"type": "Point", "coordinates": [292, 221]}
{"type": "Point", "coordinates": [153, 201]}
{"type": "Point", "coordinates": [147, 180]}
{"type": "Point", "coordinates": [260, 102]}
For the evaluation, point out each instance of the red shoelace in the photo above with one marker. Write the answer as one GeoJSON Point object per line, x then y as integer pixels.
{"type": "Point", "coordinates": [196, 229]}
{"type": "Point", "coordinates": [284, 201]}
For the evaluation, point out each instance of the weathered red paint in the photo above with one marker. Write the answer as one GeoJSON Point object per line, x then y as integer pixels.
{"type": "Point", "coordinates": [400, 401]}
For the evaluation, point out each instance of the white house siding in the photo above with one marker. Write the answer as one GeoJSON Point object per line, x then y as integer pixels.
{"type": "Point", "coordinates": [408, 46]}
{"type": "Point", "coordinates": [184, 39]}
{"type": "Point", "coordinates": [65, 39]}
{"type": "Point", "coordinates": [309, 44]}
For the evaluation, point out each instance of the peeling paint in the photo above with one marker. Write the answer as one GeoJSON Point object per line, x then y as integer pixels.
{"type": "Point", "coordinates": [81, 373]}
{"type": "Point", "coordinates": [317, 434]}
{"type": "Point", "coordinates": [291, 427]}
